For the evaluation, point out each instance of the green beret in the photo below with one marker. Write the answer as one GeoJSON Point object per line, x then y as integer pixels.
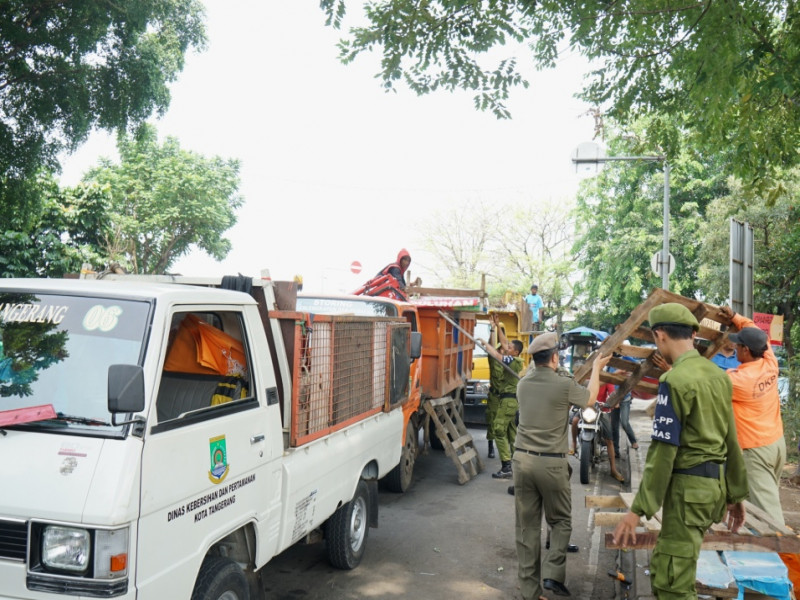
{"type": "Point", "coordinates": [672, 313]}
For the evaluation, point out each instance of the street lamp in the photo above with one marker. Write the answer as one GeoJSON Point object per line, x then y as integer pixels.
{"type": "Point", "coordinates": [664, 258]}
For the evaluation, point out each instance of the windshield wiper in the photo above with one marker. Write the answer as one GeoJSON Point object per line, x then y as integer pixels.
{"type": "Point", "coordinates": [79, 420]}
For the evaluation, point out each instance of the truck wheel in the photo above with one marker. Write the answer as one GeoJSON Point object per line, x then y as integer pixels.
{"type": "Point", "coordinates": [399, 479]}
{"type": "Point", "coordinates": [220, 579]}
{"type": "Point", "coordinates": [346, 530]}
{"type": "Point", "coordinates": [586, 459]}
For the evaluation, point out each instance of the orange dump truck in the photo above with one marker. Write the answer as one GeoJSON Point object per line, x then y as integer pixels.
{"type": "Point", "coordinates": [443, 367]}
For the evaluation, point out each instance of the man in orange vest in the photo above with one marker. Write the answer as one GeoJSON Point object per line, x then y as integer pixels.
{"type": "Point", "coordinates": [757, 409]}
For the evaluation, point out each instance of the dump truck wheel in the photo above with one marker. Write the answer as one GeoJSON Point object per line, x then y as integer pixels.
{"type": "Point", "coordinates": [346, 530]}
{"type": "Point", "coordinates": [399, 479]}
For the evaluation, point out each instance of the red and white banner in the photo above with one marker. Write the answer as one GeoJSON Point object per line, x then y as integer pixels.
{"type": "Point", "coordinates": [772, 325]}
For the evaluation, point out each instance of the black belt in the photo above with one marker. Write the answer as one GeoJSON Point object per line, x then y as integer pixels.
{"type": "Point", "coordinates": [507, 395]}
{"type": "Point", "coordinates": [546, 454]}
{"type": "Point", "coordinates": [706, 469]}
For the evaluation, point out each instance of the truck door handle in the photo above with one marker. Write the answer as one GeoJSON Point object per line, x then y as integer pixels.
{"type": "Point", "coordinates": [257, 438]}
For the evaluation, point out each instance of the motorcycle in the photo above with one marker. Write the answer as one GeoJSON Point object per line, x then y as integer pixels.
{"type": "Point", "coordinates": [590, 443]}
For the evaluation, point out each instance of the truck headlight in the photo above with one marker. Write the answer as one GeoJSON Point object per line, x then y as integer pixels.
{"type": "Point", "coordinates": [482, 387]}
{"type": "Point", "coordinates": [589, 414]}
{"type": "Point", "coordinates": [66, 548]}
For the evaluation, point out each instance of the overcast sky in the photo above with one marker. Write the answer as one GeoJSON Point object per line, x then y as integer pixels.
{"type": "Point", "coordinates": [335, 170]}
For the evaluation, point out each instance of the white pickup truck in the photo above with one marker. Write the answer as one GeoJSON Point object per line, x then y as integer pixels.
{"type": "Point", "coordinates": [165, 441]}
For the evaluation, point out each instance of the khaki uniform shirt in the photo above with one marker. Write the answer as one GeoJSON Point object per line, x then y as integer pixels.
{"type": "Point", "coordinates": [544, 400]}
{"type": "Point", "coordinates": [693, 424]}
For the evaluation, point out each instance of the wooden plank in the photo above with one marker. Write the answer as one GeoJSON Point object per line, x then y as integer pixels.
{"type": "Point", "coordinates": [720, 541]}
{"type": "Point", "coordinates": [653, 524]}
{"type": "Point", "coordinates": [607, 519]}
{"type": "Point", "coordinates": [704, 590]}
{"type": "Point", "coordinates": [604, 502]}
{"type": "Point", "coordinates": [752, 509]}
{"type": "Point", "coordinates": [635, 351]}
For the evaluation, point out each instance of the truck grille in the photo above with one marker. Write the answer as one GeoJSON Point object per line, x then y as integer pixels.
{"type": "Point", "coordinates": [13, 539]}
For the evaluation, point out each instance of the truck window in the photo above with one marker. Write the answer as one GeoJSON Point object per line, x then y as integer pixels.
{"type": "Point", "coordinates": [206, 365]}
{"type": "Point", "coordinates": [56, 349]}
{"type": "Point", "coordinates": [483, 330]}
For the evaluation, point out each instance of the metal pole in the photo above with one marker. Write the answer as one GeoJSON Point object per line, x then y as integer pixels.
{"type": "Point", "coordinates": [665, 252]}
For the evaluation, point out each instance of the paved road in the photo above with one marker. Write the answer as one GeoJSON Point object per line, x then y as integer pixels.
{"type": "Point", "coordinates": [442, 540]}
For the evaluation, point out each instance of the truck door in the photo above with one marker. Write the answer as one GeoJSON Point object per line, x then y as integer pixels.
{"type": "Point", "coordinates": [210, 464]}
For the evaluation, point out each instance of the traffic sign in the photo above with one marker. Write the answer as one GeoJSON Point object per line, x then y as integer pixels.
{"type": "Point", "coordinates": [655, 263]}
{"type": "Point", "coordinates": [355, 267]}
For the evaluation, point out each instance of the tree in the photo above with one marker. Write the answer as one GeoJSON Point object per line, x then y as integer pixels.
{"type": "Point", "coordinates": [776, 240]}
{"type": "Point", "coordinates": [458, 241]}
{"type": "Point", "coordinates": [728, 72]}
{"type": "Point", "coordinates": [513, 244]}
{"type": "Point", "coordinates": [164, 200]}
{"type": "Point", "coordinates": [57, 233]}
{"type": "Point", "coordinates": [67, 67]}
{"type": "Point", "coordinates": [620, 226]}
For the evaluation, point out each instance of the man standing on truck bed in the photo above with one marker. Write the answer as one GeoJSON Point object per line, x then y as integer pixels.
{"type": "Point", "coordinates": [504, 428]}
{"type": "Point", "coordinates": [536, 305]}
{"type": "Point", "coordinates": [398, 268]}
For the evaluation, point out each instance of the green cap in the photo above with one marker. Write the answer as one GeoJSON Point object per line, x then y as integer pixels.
{"type": "Point", "coordinates": [672, 313]}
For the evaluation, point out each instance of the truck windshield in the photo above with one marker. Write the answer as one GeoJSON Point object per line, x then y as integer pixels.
{"type": "Point", "coordinates": [362, 307]}
{"type": "Point", "coordinates": [57, 349]}
{"type": "Point", "coordinates": [483, 330]}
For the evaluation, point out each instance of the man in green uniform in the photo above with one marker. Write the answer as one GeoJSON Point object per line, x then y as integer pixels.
{"type": "Point", "coordinates": [495, 376]}
{"type": "Point", "coordinates": [504, 427]}
{"type": "Point", "coordinates": [694, 466]}
{"type": "Point", "coordinates": [541, 468]}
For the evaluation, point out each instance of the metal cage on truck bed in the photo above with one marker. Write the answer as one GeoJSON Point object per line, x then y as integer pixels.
{"type": "Point", "coordinates": [344, 369]}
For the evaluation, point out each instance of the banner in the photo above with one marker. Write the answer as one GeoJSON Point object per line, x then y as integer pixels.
{"type": "Point", "coordinates": [772, 325]}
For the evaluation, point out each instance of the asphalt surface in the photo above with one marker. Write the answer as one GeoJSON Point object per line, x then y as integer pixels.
{"type": "Point", "coordinates": [442, 540]}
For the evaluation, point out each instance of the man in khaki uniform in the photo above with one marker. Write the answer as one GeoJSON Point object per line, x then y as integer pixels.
{"type": "Point", "coordinates": [694, 466]}
{"type": "Point", "coordinates": [540, 467]}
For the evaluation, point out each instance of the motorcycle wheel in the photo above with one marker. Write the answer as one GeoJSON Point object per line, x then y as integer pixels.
{"type": "Point", "coordinates": [586, 460]}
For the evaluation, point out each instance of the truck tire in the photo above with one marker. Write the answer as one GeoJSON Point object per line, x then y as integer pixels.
{"type": "Point", "coordinates": [346, 530]}
{"type": "Point", "coordinates": [586, 459]}
{"type": "Point", "coordinates": [220, 578]}
{"type": "Point", "coordinates": [398, 480]}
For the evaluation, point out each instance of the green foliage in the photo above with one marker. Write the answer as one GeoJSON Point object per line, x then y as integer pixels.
{"type": "Point", "coordinates": [776, 241]}
{"type": "Point", "coordinates": [728, 72]}
{"type": "Point", "coordinates": [66, 67]}
{"type": "Point", "coordinates": [163, 200]}
{"type": "Point", "coordinates": [58, 231]}
{"type": "Point", "coordinates": [620, 226]}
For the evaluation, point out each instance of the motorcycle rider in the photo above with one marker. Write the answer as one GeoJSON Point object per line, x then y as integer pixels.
{"type": "Point", "coordinates": [603, 429]}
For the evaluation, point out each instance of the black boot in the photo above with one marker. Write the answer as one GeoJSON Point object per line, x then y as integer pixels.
{"type": "Point", "coordinates": [491, 449]}
{"type": "Point", "coordinates": [504, 472]}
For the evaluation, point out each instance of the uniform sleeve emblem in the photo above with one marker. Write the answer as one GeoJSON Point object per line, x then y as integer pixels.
{"type": "Point", "coordinates": [666, 426]}
{"type": "Point", "coordinates": [508, 359]}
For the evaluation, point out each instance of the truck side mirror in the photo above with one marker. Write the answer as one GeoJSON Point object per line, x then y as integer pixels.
{"type": "Point", "coordinates": [125, 390]}
{"type": "Point", "coordinates": [416, 344]}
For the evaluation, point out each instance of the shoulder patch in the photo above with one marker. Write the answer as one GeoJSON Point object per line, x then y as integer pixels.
{"type": "Point", "coordinates": [508, 359]}
{"type": "Point", "coordinates": [666, 426]}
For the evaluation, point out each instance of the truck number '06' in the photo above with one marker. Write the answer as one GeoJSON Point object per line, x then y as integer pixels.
{"type": "Point", "coordinates": [102, 318]}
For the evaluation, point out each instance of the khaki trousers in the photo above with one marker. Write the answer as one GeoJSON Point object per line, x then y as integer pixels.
{"type": "Point", "coordinates": [764, 467]}
{"type": "Point", "coordinates": [541, 484]}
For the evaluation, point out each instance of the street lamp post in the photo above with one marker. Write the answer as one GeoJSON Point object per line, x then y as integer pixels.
{"type": "Point", "coordinates": [664, 260]}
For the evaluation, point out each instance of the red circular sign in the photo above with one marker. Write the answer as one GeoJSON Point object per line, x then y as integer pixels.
{"type": "Point", "coordinates": [355, 267]}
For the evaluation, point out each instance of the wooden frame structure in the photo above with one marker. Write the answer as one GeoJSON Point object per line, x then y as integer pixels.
{"type": "Point", "coordinates": [644, 376]}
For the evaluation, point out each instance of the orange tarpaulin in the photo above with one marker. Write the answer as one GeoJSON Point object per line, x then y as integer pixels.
{"type": "Point", "coordinates": [201, 348]}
